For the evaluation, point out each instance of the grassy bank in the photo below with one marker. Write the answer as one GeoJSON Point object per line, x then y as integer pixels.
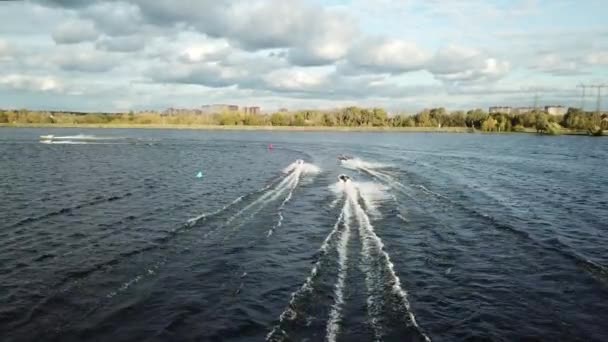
{"type": "Point", "coordinates": [276, 128]}
{"type": "Point", "coordinates": [247, 128]}
{"type": "Point", "coordinates": [349, 119]}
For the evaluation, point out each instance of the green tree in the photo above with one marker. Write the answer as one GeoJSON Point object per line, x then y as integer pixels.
{"type": "Point", "coordinates": [423, 119]}
{"type": "Point", "coordinates": [489, 124]}
{"type": "Point", "coordinates": [475, 118]}
{"type": "Point", "coordinates": [379, 117]}
{"type": "Point", "coordinates": [457, 119]}
{"type": "Point", "coordinates": [299, 119]}
{"type": "Point", "coordinates": [279, 119]}
{"type": "Point", "coordinates": [438, 116]}
{"type": "Point", "coordinates": [542, 123]}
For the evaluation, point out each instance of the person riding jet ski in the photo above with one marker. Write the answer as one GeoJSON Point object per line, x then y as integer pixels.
{"type": "Point", "coordinates": [344, 178]}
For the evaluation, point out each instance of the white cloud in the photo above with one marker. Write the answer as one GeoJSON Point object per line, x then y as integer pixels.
{"type": "Point", "coordinates": [206, 74]}
{"type": "Point", "coordinates": [204, 50]}
{"type": "Point", "coordinates": [114, 18]}
{"type": "Point", "coordinates": [382, 55]}
{"type": "Point", "coordinates": [453, 59]}
{"type": "Point", "coordinates": [4, 48]}
{"type": "Point", "coordinates": [121, 44]}
{"type": "Point", "coordinates": [75, 31]}
{"type": "Point", "coordinates": [6, 51]}
{"type": "Point", "coordinates": [458, 64]}
{"type": "Point", "coordinates": [297, 79]}
{"type": "Point", "coordinates": [597, 58]}
{"type": "Point", "coordinates": [296, 50]}
{"type": "Point", "coordinates": [556, 64]}
{"type": "Point", "coordinates": [31, 83]}
{"type": "Point", "coordinates": [85, 61]}
{"type": "Point", "coordinates": [330, 39]}
{"type": "Point", "coordinates": [491, 69]}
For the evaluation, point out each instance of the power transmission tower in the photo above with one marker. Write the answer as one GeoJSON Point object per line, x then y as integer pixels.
{"type": "Point", "coordinates": [583, 86]}
{"type": "Point", "coordinates": [599, 94]}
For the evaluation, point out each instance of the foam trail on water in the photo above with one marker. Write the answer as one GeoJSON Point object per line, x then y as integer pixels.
{"type": "Point", "coordinates": [305, 168]}
{"type": "Point", "coordinates": [275, 195]}
{"type": "Point", "coordinates": [390, 181]}
{"type": "Point", "coordinates": [334, 203]}
{"type": "Point", "coordinates": [371, 241]}
{"type": "Point", "coordinates": [196, 219]}
{"type": "Point", "coordinates": [356, 164]}
{"type": "Point", "coordinates": [432, 192]}
{"type": "Point", "coordinates": [81, 137]}
{"type": "Point", "coordinates": [402, 218]}
{"type": "Point", "coordinates": [372, 169]}
{"type": "Point", "coordinates": [371, 194]}
{"type": "Point", "coordinates": [64, 142]}
{"type": "Point", "coordinates": [266, 197]}
{"type": "Point", "coordinates": [297, 171]}
{"type": "Point", "coordinates": [235, 201]}
{"type": "Point", "coordinates": [79, 142]}
{"type": "Point", "coordinates": [277, 334]}
{"type": "Point", "coordinates": [292, 186]}
{"type": "Point", "coordinates": [335, 316]}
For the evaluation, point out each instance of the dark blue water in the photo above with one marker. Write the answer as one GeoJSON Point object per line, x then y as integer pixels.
{"type": "Point", "coordinates": [450, 237]}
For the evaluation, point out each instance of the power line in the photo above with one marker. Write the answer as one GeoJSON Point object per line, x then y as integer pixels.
{"type": "Point", "coordinates": [583, 86]}
{"type": "Point", "coordinates": [599, 94]}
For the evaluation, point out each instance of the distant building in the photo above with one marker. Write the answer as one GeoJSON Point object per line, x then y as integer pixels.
{"type": "Point", "coordinates": [180, 111]}
{"type": "Point", "coordinates": [500, 109]}
{"type": "Point", "coordinates": [556, 110]}
{"type": "Point", "coordinates": [251, 110]}
{"type": "Point", "coordinates": [523, 110]}
{"type": "Point", "coordinates": [219, 108]}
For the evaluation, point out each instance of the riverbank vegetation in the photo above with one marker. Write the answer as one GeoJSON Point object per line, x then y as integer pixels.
{"type": "Point", "coordinates": [353, 117]}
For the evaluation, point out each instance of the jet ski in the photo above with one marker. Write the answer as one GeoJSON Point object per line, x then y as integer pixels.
{"type": "Point", "coordinates": [343, 178]}
{"type": "Point", "coordinates": [299, 162]}
{"type": "Point", "coordinates": [344, 157]}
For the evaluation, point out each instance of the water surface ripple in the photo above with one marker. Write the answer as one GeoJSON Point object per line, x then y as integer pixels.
{"type": "Point", "coordinates": [439, 237]}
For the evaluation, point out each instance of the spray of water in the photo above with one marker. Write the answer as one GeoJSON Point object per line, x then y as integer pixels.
{"type": "Point", "coordinates": [372, 253]}
{"type": "Point", "coordinates": [296, 170]}
{"type": "Point", "coordinates": [375, 170]}
{"type": "Point", "coordinates": [373, 248]}
{"type": "Point", "coordinates": [357, 164]}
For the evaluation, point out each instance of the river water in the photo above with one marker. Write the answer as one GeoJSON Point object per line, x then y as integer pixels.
{"type": "Point", "coordinates": [113, 235]}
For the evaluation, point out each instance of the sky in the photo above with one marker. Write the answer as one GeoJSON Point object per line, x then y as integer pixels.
{"type": "Point", "coordinates": [402, 55]}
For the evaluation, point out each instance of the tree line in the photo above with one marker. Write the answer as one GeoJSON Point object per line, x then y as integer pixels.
{"type": "Point", "coordinates": [475, 119]}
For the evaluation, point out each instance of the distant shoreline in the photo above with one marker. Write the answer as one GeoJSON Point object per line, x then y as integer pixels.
{"type": "Point", "coordinates": [251, 128]}
{"type": "Point", "coordinates": [275, 128]}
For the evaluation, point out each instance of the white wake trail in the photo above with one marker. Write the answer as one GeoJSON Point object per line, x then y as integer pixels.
{"type": "Point", "coordinates": [371, 241]}
{"type": "Point", "coordinates": [194, 220]}
{"type": "Point", "coordinates": [391, 182]}
{"type": "Point", "coordinates": [292, 186]}
{"type": "Point", "coordinates": [298, 169]}
{"type": "Point", "coordinates": [266, 197]}
{"type": "Point", "coordinates": [277, 334]}
{"type": "Point", "coordinates": [335, 316]}
{"type": "Point", "coordinates": [433, 193]}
